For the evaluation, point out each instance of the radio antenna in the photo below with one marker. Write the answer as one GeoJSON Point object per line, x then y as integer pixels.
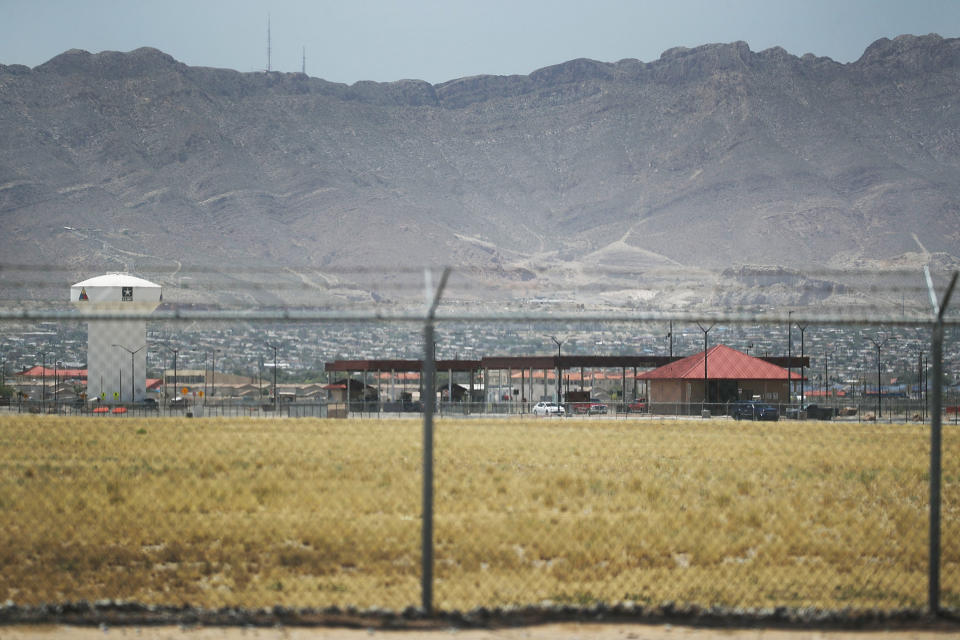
{"type": "Point", "coordinates": [303, 68]}
{"type": "Point", "coordinates": [268, 43]}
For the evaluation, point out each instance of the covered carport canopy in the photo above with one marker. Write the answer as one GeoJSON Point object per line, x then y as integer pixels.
{"type": "Point", "coordinates": [403, 366]}
{"type": "Point", "coordinates": [521, 364]}
{"type": "Point", "coordinates": [506, 363]}
{"type": "Point", "coordinates": [529, 362]}
{"type": "Point", "coordinates": [394, 367]}
{"type": "Point", "coordinates": [569, 362]}
{"type": "Point", "coordinates": [575, 362]}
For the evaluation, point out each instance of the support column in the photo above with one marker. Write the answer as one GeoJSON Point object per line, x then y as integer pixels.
{"type": "Point", "coordinates": [470, 399]}
{"type": "Point", "coordinates": [486, 390]}
{"type": "Point", "coordinates": [623, 389]}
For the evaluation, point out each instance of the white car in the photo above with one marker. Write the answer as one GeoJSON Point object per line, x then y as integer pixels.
{"type": "Point", "coordinates": [548, 409]}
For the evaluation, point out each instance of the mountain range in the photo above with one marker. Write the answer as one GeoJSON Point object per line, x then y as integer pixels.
{"type": "Point", "coordinates": [713, 176]}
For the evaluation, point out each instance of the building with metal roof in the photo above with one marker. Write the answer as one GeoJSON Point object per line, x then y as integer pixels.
{"type": "Point", "coordinates": [719, 375]}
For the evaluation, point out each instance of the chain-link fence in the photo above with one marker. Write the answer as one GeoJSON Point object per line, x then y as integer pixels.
{"type": "Point", "coordinates": [253, 513]}
{"type": "Point", "coordinates": [202, 498]}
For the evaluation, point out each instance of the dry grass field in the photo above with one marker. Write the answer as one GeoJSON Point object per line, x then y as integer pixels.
{"type": "Point", "coordinates": [303, 512]}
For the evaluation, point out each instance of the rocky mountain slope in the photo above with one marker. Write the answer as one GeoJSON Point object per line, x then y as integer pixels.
{"type": "Point", "coordinates": [668, 183]}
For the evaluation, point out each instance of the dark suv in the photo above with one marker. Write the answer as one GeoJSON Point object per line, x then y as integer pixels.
{"type": "Point", "coordinates": [754, 411]}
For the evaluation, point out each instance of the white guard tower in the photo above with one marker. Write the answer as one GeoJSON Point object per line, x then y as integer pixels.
{"type": "Point", "coordinates": [116, 349]}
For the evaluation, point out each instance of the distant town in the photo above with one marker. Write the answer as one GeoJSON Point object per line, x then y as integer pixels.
{"type": "Point", "coordinates": [245, 349]}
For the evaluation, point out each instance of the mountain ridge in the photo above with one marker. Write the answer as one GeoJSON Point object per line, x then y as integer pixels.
{"type": "Point", "coordinates": [564, 179]}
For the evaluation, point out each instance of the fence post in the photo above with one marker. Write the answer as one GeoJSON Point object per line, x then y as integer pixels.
{"type": "Point", "coordinates": [936, 440]}
{"type": "Point", "coordinates": [426, 545]}
{"type": "Point", "coordinates": [429, 365]}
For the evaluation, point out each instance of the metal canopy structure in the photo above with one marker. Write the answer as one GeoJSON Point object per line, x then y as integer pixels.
{"type": "Point", "coordinates": [402, 366]}
{"type": "Point", "coordinates": [530, 362]}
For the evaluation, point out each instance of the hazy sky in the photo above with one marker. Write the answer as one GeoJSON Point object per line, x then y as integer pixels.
{"type": "Point", "coordinates": [438, 40]}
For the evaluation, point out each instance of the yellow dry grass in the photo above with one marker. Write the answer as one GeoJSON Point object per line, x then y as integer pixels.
{"type": "Point", "coordinates": [216, 512]}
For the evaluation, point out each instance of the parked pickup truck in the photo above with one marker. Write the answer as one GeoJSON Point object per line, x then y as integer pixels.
{"type": "Point", "coordinates": [754, 411]}
{"type": "Point", "coordinates": [591, 407]}
{"type": "Point", "coordinates": [637, 406]}
{"type": "Point", "coordinates": [815, 412]}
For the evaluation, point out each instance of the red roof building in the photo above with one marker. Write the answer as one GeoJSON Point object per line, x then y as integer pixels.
{"type": "Point", "coordinates": [730, 376]}
{"type": "Point", "coordinates": [49, 372]}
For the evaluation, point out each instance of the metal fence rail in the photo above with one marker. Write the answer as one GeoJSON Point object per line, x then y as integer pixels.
{"type": "Point", "coordinates": [845, 409]}
{"type": "Point", "coordinates": [625, 506]}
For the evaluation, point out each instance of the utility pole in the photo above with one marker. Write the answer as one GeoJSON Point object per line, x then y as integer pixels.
{"type": "Point", "coordinates": [268, 43]}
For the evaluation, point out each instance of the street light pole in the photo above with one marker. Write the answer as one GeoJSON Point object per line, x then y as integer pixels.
{"type": "Point", "coordinates": [56, 387]}
{"type": "Point", "coordinates": [43, 381]}
{"type": "Point", "coordinates": [789, 357]}
{"type": "Point", "coordinates": [213, 373]}
{"type": "Point", "coordinates": [559, 369]}
{"type": "Point", "coordinates": [920, 374]}
{"type": "Point", "coordinates": [879, 343]}
{"type": "Point", "coordinates": [802, 329]}
{"type": "Point", "coordinates": [826, 376]}
{"type": "Point", "coordinates": [926, 391]}
{"type": "Point", "coordinates": [175, 377]}
{"type": "Point", "coordinates": [166, 392]}
{"type": "Point", "coordinates": [706, 391]}
{"type": "Point", "coordinates": [274, 347]}
{"type": "Point", "coordinates": [133, 378]}
{"type": "Point", "coordinates": [670, 338]}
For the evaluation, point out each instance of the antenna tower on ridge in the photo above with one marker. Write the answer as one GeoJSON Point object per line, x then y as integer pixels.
{"type": "Point", "coordinates": [303, 68]}
{"type": "Point", "coordinates": [268, 43]}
